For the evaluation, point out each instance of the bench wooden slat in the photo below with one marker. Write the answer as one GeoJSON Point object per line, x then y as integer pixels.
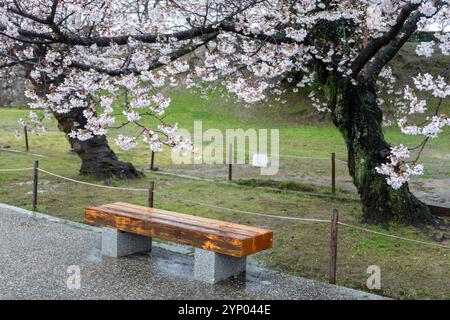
{"type": "Point", "coordinates": [171, 223]}
{"type": "Point", "coordinates": [215, 235]}
{"type": "Point", "coordinates": [184, 218]}
{"type": "Point", "coordinates": [188, 216]}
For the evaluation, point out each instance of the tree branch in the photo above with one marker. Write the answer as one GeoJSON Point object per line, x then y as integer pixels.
{"type": "Point", "coordinates": [389, 51]}
{"type": "Point", "coordinates": [153, 65]}
{"type": "Point", "coordinates": [51, 17]}
{"type": "Point", "coordinates": [375, 45]}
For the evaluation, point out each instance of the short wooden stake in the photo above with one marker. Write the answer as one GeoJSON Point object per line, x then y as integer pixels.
{"type": "Point", "coordinates": [152, 162]}
{"type": "Point", "coordinates": [333, 172]}
{"type": "Point", "coordinates": [35, 183]}
{"type": "Point", "coordinates": [230, 162]}
{"type": "Point", "coordinates": [333, 245]}
{"type": "Point", "coordinates": [151, 189]}
{"type": "Point", "coordinates": [25, 130]}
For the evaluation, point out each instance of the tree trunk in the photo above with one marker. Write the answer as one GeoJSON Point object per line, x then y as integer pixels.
{"type": "Point", "coordinates": [96, 156]}
{"type": "Point", "coordinates": [359, 119]}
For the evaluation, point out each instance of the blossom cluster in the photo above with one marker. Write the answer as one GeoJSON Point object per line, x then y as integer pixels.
{"type": "Point", "coordinates": [396, 169]}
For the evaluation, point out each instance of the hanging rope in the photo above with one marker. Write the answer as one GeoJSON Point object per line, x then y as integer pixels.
{"type": "Point", "coordinates": [24, 152]}
{"type": "Point", "coordinates": [246, 212]}
{"type": "Point", "coordinates": [392, 236]}
{"type": "Point", "coordinates": [231, 209]}
{"type": "Point", "coordinates": [13, 170]}
{"type": "Point", "coordinates": [90, 184]}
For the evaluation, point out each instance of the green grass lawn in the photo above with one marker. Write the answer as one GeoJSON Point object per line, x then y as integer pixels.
{"type": "Point", "coordinates": [408, 270]}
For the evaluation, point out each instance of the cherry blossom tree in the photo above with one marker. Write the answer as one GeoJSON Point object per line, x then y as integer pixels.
{"type": "Point", "coordinates": [84, 56]}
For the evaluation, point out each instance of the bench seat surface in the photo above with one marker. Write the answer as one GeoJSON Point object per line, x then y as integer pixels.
{"type": "Point", "coordinates": [219, 236]}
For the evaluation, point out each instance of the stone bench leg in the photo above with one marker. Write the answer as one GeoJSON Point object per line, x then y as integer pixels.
{"type": "Point", "coordinates": [117, 243]}
{"type": "Point", "coordinates": [213, 267]}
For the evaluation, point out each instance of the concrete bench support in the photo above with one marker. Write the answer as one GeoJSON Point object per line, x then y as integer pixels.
{"type": "Point", "coordinates": [212, 267]}
{"type": "Point", "coordinates": [117, 243]}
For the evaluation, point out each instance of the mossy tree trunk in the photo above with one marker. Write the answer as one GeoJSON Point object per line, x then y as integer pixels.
{"type": "Point", "coordinates": [359, 118]}
{"type": "Point", "coordinates": [97, 158]}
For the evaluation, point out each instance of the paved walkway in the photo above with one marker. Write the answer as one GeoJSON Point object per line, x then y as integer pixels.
{"type": "Point", "coordinates": [36, 251]}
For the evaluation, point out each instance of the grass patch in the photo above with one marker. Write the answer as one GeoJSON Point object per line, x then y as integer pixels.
{"type": "Point", "coordinates": [281, 185]}
{"type": "Point", "coordinates": [287, 185]}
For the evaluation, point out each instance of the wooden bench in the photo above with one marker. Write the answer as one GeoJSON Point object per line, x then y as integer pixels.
{"type": "Point", "coordinates": [222, 246]}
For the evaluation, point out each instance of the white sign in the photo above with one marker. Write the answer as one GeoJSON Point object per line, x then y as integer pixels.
{"type": "Point", "coordinates": [260, 160]}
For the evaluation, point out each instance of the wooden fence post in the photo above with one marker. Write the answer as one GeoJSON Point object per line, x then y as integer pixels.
{"type": "Point", "coordinates": [25, 130]}
{"type": "Point", "coordinates": [35, 184]}
{"type": "Point", "coordinates": [150, 194]}
{"type": "Point", "coordinates": [230, 162]}
{"type": "Point", "coordinates": [333, 172]}
{"type": "Point", "coordinates": [152, 162]}
{"type": "Point", "coordinates": [333, 245]}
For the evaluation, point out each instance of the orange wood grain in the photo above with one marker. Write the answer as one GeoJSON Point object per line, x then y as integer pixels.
{"type": "Point", "coordinates": [219, 236]}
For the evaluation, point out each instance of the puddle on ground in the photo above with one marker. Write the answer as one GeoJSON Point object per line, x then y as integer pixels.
{"type": "Point", "coordinates": [182, 266]}
{"type": "Point", "coordinates": [94, 255]}
{"type": "Point", "coordinates": [172, 263]}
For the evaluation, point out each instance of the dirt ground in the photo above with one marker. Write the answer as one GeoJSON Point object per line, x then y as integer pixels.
{"type": "Point", "coordinates": [430, 190]}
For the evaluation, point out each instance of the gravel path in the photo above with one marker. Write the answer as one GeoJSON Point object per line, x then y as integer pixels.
{"type": "Point", "coordinates": [36, 251]}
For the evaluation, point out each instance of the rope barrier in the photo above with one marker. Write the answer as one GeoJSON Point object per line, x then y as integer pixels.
{"type": "Point", "coordinates": [295, 157]}
{"type": "Point", "coordinates": [18, 169]}
{"type": "Point", "coordinates": [392, 236]}
{"type": "Point", "coordinates": [247, 212]}
{"type": "Point", "coordinates": [235, 210]}
{"type": "Point", "coordinates": [280, 155]}
{"type": "Point", "coordinates": [300, 157]}
{"type": "Point", "coordinates": [90, 184]}
{"type": "Point", "coordinates": [184, 176]}
{"type": "Point", "coordinates": [226, 183]}
{"type": "Point", "coordinates": [310, 158]}
{"type": "Point", "coordinates": [308, 220]}
{"type": "Point", "coordinates": [24, 152]}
